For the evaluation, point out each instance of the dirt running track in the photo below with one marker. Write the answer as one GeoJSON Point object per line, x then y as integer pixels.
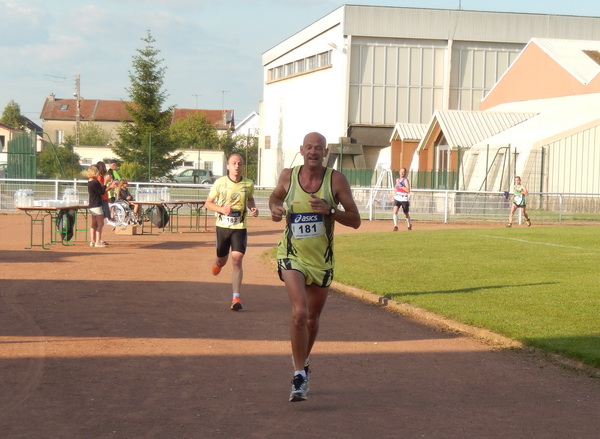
{"type": "Point", "coordinates": [136, 340]}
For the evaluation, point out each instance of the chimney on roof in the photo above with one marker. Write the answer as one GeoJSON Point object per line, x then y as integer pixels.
{"type": "Point", "coordinates": [52, 97]}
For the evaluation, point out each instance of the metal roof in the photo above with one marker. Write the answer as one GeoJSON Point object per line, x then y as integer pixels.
{"type": "Point", "coordinates": [466, 128]}
{"type": "Point", "coordinates": [409, 131]}
{"type": "Point", "coordinates": [572, 56]}
{"type": "Point", "coordinates": [441, 25]}
{"type": "Point", "coordinates": [558, 118]}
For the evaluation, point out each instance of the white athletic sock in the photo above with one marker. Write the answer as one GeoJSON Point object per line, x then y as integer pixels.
{"type": "Point", "coordinates": [300, 372]}
{"type": "Point", "coordinates": [236, 295]}
{"type": "Point", "coordinates": [408, 220]}
{"type": "Point", "coordinates": [395, 218]}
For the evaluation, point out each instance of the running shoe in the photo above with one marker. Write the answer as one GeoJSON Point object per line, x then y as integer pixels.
{"type": "Point", "coordinates": [307, 371]}
{"type": "Point", "coordinates": [299, 389]}
{"type": "Point", "coordinates": [236, 304]}
{"type": "Point", "coordinates": [509, 225]}
{"type": "Point", "coordinates": [395, 228]}
{"type": "Point", "coordinates": [216, 269]}
{"type": "Point", "coordinates": [410, 227]}
{"type": "Point", "coordinates": [528, 222]}
{"type": "Point", "coordinates": [100, 244]}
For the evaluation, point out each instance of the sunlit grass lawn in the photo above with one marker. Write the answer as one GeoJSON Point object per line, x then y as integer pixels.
{"type": "Point", "coordinates": [540, 286]}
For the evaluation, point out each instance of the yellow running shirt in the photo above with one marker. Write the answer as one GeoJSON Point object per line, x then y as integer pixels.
{"type": "Point", "coordinates": [227, 192]}
{"type": "Point", "coordinates": [308, 236]}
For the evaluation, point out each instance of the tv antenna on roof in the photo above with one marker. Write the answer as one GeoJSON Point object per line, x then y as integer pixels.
{"type": "Point", "coordinates": [223, 98]}
{"type": "Point", "coordinates": [55, 79]}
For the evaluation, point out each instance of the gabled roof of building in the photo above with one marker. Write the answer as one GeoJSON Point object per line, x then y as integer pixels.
{"type": "Point", "coordinates": [466, 128]}
{"type": "Point", "coordinates": [248, 126]}
{"type": "Point", "coordinates": [578, 57]}
{"type": "Point", "coordinates": [220, 119]}
{"type": "Point", "coordinates": [89, 109]}
{"type": "Point", "coordinates": [409, 131]}
{"type": "Point", "coordinates": [115, 111]}
{"type": "Point", "coordinates": [32, 126]}
{"type": "Point", "coordinates": [29, 126]}
{"type": "Point", "coordinates": [558, 118]}
{"type": "Point", "coordinates": [7, 127]}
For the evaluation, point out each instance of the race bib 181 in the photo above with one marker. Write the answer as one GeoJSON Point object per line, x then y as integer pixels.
{"type": "Point", "coordinates": [306, 225]}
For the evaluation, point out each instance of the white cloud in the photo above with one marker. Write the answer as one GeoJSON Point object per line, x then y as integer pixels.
{"type": "Point", "coordinates": [20, 25]}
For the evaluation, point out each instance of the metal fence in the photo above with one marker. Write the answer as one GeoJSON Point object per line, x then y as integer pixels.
{"type": "Point", "coordinates": [373, 203]}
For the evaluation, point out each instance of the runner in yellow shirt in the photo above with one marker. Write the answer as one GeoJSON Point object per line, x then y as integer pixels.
{"type": "Point", "coordinates": [230, 197]}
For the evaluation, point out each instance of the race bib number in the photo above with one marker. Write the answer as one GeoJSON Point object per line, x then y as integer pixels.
{"type": "Point", "coordinates": [518, 200]}
{"type": "Point", "coordinates": [306, 225]}
{"type": "Point", "coordinates": [233, 219]}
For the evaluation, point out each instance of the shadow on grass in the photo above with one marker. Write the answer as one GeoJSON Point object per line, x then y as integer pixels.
{"type": "Point", "coordinates": [466, 290]}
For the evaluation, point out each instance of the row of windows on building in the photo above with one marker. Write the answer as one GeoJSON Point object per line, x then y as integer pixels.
{"type": "Point", "coordinates": [300, 66]}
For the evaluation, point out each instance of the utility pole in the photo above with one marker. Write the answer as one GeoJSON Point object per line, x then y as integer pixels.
{"type": "Point", "coordinates": [77, 108]}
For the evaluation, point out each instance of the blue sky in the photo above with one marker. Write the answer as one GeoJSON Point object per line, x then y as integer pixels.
{"type": "Point", "coordinates": [211, 49]}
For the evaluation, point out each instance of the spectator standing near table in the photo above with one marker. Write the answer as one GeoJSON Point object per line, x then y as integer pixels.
{"type": "Point", "coordinates": [305, 257]}
{"type": "Point", "coordinates": [114, 174]}
{"type": "Point", "coordinates": [230, 197]}
{"type": "Point", "coordinates": [105, 180]}
{"type": "Point", "coordinates": [518, 201]}
{"type": "Point", "coordinates": [95, 192]}
{"type": "Point", "coordinates": [401, 194]}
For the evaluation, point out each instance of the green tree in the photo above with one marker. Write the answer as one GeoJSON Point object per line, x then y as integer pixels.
{"type": "Point", "coordinates": [12, 116]}
{"type": "Point", "coordinates": [92, 134]}
{"type": "Point", "coordinates": [59, 162]}
{"type": "Point", "coordinates": [245, 146]}
{"type": "Point", "coordinates": [131, 171]}
{"type": "Point", "coordinates": [147, 141]}
{"type": "Point", "coordinates": [195, 132]}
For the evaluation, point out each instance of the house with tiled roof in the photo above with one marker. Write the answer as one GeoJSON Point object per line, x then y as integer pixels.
{"type": "Point", "coordinates": [60, 116]}
{"type": "Point", "coordinates": [222, 120]}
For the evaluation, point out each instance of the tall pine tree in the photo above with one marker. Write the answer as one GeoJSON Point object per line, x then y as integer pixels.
{"type": "Point", "coordinates": [147, 141]}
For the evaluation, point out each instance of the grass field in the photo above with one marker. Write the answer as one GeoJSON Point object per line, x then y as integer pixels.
{"type": "Point", "coordinates": [540, 286]}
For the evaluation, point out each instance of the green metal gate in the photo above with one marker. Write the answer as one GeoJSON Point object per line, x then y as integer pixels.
{"type": "Point", "coordinates": [21, 156]}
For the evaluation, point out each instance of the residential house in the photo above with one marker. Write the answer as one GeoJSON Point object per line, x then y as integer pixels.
{"type": "Point", "coordinates": [62, 116]}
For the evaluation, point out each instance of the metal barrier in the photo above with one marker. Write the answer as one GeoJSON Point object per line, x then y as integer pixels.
{"type": "Point", "coordinates": [425, 204]}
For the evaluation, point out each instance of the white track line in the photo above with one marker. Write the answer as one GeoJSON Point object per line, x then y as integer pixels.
{"type": "Point", "coordinates": [549, 244]}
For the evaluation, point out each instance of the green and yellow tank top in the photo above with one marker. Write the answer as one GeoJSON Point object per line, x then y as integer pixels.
{"type": "Point", "coordinates": [308, 236]}
{"type": "Point", "coordinates": [227, 192]}
{"type": "Point", "coordinates": [518, 197]}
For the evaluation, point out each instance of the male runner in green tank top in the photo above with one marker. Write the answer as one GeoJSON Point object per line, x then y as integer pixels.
{"type": "Point", "coordinates": [305, 258]}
